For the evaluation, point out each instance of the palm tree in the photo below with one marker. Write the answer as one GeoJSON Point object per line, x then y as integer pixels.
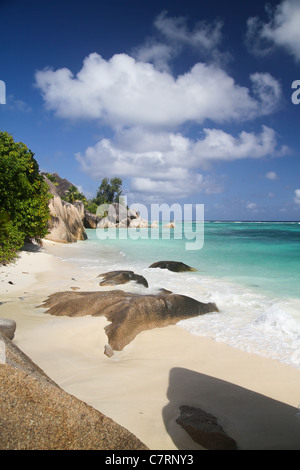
{"type": "Point", "coordinates": [73, 194]}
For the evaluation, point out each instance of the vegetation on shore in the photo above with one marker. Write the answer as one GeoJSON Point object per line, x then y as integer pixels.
{"type": "Point", "coordinates": [109, 191]}
{"type": "Point", "coordinates": [24, 198]}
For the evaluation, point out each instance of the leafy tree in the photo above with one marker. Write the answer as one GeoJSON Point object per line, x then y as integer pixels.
{"type": "Point", "coordinates": [24, 198]}
{"type": "Point", "coordinates": [109, 191]}
{"type": "Point", "coordinates": [91, 207]}
{"type": "Point", "coordinates": [73, 194]}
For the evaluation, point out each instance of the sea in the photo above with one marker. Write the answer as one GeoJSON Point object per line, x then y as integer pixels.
{"type": "Point", "coordinates": [251, 270]}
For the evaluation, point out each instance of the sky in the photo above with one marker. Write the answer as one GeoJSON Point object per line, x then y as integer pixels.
{"type": "Point", "coordinates": [187, 101]}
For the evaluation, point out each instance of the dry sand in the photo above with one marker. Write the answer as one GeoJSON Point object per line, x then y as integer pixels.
{"type": "Point", "coordinates": [255, 399]}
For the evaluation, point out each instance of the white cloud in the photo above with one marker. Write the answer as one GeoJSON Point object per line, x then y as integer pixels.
{"type": "Point", "coordinates": [205, 36]}
{"type": "Point", "coordinates": [297, 196]}
{"type": "Point", "coordinates": [124, 92]}
{"type": "Point", "coordinates": [157, 53]}
{"type": "Point", "coordinates": [145, 105]}
{"type": "Point", "coordinates": [172, 36]}
{"type": "Point", "coordinates": [251, 205]}
{"type": "Point", "coordinates": [169, 162]}
{"type": "Point", "coordinates": [271, 175]}
{"type": "Point", "coordinates": [268, 91]}
{"type": "Point", "coordinates": [219, 145]}
{"type": "Point", "coordinates": [283, 30]}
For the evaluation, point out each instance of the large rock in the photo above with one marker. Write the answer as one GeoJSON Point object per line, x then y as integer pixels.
{"type": "Point", "coordinates": [36, 414]}
{"type": "Point", "coordinates": [62, 185]}
{"type": "Point", "coordinates": [139, 223]}
{"type": "Point", "coordinates": [204, 429]}
{"type": "Point", "coordinates": [90, 220]}
{"type": "Point", "coordinates": [114, 278]}
{"type": "Point", "coordinates": [128, 313]}
{"type": "Point", "coordinates": [175, 266]}
{"type": "Point", "coordinates": [66, 224]}
{"type": "Point", "coordinates": [8, 327]}
{"type": "Point", "coordinates": [106, 223]}
{"type": "Point", "coordinates": [80, 207]}
{"type": "Point", "coordinates": [117, 213]}
{"type": "Point", "coordinates": [119, 217]}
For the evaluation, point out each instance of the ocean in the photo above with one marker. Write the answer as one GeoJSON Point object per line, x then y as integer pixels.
{"type": "Point", "coordinates": [251, 270]}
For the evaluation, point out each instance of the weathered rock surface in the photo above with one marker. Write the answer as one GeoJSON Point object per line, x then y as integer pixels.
{"type": "Point", "coordinates": [175, 266]}
{"type": "Point", "coordinates": [139, 223]}
{"type": "Point", "coordinates": [114, 278]}
{"type": "Point", "coordinates": [36, 414]}
{"type": "Point", "coordinates": [80, 207]}
{"type": "Point", "coordinates": [128, 313]}
{"type": "Point", "coordinates": [8, 327]}
{"type": "Point", "coordinates": [62, 185]}
{"type": "Point", "coordinates": [119, 217]}
{"type": "Point", "coordinates": [90, 220]}
{"type": "Point", "coordinates": [170, 225]}
{"type": "Point", "coordinates": [66, 224]}
{"type": "Point", "coordinates": [204, 429]}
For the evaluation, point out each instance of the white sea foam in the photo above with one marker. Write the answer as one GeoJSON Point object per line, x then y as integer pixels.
{"type": "Point", "coordinates": [247, 319]}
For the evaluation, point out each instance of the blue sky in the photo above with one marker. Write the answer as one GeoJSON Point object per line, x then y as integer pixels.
{"type": "Point", "coordinates": [186, 101]}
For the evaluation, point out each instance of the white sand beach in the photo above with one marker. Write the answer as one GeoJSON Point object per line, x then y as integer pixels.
{"type": "Point", "coordinates": [255, 399]}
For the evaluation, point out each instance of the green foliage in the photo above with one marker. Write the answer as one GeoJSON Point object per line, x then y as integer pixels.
{"type": "Point", "coordinates": [24, 197]}
{"type": "Point", "coordinates": [11, 240]}
{"type": "Point", "coordinates": [51, 178]}
{"type": "Point", "coordinates": [91, 207]}
{"type": "Point", "coordinates": [73, 194]}
{"type": "Point", "coordinates": [109, 191]}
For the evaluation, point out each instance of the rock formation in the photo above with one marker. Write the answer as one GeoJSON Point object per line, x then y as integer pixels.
{"type": "Point", "coordinates": [8, 327]}
{"type": "Point", "coordinates": [139, 223]}
{"type": "Point", "coordinates": [204, 429]}
{"type": "Point", "coordinates": [114, 278]}
{"type": "Point", "coordinates": [119, 217]}
{"type": "Point", "coordinates": [62, 185]}
{"type": "Point", "coordinates": [175, 266]}
{"type": "Point", "coordinates": [170, 225]}
{"type": "Point", "coordinates": [90, 220]}
{"type": "Point", "coordinates": [36, 414]}
{"type": "Point", "coordinates": [80, 207]}
{"type": "Point", "coordinates": [128, 313]}
{"type": "Point", "coordinates": [66, 224]}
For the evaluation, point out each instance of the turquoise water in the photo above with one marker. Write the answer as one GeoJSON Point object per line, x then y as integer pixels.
{"type": "Point", "coordinates": [264, 256]}
{"type": "Point", "coordinates": [250, 270]}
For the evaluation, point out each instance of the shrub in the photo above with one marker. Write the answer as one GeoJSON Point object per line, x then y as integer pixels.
{"type": "Point", "coordinates": [24, 197]}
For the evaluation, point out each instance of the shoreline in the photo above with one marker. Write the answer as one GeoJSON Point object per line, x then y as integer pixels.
{"type": "Point", "coordinates": [254, 398]}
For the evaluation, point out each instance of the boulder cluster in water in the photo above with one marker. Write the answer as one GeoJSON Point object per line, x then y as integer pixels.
{"type": "Point", "coordinates": [69, 221]}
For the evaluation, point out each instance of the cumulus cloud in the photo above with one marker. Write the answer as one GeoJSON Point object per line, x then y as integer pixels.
{"type": "Point", "coordinates": [297, 196]}
{"type": "Point", "coordinates": [147, 107]}
{"type": "Point", "coordinates": [169, 162]}
{"type": "Point", "coordinates": [125, 92]}
{"type": "Point", "coordinates": [251, 205]}
{"type": "Point", "coordinates": [282, 30]}
{"type": "Point", "coordinates": [156, 53]}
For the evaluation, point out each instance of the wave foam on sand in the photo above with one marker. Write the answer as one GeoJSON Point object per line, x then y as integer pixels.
{"type": "Point", "coordinates": [142, 387]}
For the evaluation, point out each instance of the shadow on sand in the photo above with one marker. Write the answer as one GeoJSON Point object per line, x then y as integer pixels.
{"type": "Point", "coordinates": [254, 421]}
